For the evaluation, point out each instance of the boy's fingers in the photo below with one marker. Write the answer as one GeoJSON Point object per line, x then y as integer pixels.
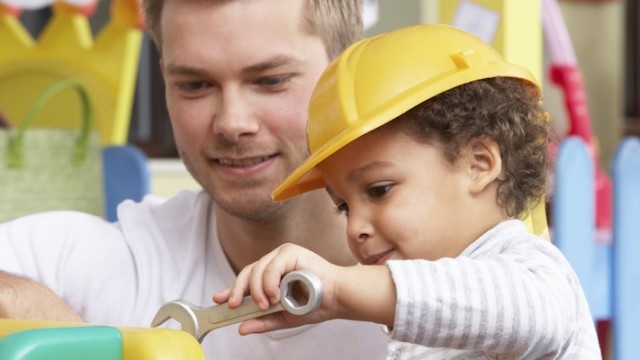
{"type": "Point", "coordinates": [240, 287]}
{"type": "Point", "coordinates": [271, 278]}
{"type": "Point", "coordinates": [287, 258]}
{"type": "Point", "coordinates": [255, 286]}
{"type": "Point", "coordinates": [221, 297]}
{"type": "Point", "coordinates": [263, 324]}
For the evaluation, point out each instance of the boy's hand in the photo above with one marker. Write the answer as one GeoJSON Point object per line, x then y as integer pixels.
{"type": "Point", "coordinates": [262, 280]}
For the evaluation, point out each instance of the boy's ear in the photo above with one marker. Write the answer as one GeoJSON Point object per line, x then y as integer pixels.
{"type": "Point", "coordinates": [485, 163]}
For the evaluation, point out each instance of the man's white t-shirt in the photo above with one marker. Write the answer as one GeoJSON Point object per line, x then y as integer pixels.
{"type": "Point", "coordinates": [121, 273]}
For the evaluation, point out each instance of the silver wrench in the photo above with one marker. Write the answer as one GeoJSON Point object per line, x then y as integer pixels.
{"type": "Point", "coordinates": [198, 321]}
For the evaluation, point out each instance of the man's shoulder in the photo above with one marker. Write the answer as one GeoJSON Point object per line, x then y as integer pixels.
{"type": "Point", "coordinates": [181, 204]}
{"type": "Point", "coordinates": [154, 217]}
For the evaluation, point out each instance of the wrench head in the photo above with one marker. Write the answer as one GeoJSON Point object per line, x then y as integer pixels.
{"type": "Point", "coordinates": [310, 282]}
{"type": "Point", "coordinates": [183, 313]}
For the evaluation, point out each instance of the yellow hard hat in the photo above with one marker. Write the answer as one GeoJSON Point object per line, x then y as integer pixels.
{"type": "Point", "coordinates": [378, 79]}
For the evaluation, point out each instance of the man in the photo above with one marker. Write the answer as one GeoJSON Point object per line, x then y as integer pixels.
{"type": "Point", "coordinates": [238, 77]}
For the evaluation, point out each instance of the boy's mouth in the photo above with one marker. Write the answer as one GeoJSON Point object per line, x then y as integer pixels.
{"type": "Point", "coordinates": [378, 259]}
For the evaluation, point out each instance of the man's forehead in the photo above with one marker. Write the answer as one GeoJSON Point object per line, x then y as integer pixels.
{"type": "Point", "coordinates": [264, 40]}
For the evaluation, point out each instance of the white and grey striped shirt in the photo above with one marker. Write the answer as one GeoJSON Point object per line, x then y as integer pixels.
{"type": "Point", "coordinates": [509, 295]}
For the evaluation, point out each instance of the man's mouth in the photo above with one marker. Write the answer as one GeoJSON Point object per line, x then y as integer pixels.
{"type": "Point", "coordinates": [243, 162]}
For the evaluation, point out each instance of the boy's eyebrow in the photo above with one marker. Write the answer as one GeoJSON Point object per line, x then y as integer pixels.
{"type": "Point", "coordinates": [359, 172]}
{"type": "Point", "coordinates": [329, 191]}
{"type": "Point", "coordinates": [272, 63]}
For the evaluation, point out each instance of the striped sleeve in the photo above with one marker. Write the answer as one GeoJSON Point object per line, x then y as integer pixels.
{"type": "Point", "coordinates": [506, 294]}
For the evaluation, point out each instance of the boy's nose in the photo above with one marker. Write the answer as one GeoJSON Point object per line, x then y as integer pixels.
{"type": "Point", "coordinates": [359, 229]}
{"type": "Point", "coordinates": [235, 117]}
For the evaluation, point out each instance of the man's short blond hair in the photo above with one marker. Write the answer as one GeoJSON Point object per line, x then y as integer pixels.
{"type": "Point", "coordinates": [337, 22]}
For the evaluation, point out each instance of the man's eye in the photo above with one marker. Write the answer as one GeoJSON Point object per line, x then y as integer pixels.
{"type": "Point", "coordinates": [379, 191]}
{"type": "Point", "coordinates": [273, 82]}
{"type": "Point", "coordinates": [192, 86]}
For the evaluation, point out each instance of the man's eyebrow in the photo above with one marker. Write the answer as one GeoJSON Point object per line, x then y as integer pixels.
{"type": "Point", "coordinates": [184, 70]}
{"type": "Point", "coordinates": [275, 62]}
{"type": "Point", "coordinates": [355, 174]}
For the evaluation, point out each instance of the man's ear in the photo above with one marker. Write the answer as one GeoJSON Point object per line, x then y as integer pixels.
{"type": "Point", "coordinates": [485, 163]}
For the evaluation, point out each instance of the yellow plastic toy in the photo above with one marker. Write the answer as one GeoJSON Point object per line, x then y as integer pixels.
{"type": "Point", "coordinates": [65, 340]}
{"type": "Point", "coordinates": [66, 49]}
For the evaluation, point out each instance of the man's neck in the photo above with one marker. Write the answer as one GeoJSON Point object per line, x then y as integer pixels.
{"type": "Point", "coordinates": [309, 221]}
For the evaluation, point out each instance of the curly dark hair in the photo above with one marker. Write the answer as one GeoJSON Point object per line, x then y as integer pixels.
{"type": "Point", "coordinates": [506, 110]}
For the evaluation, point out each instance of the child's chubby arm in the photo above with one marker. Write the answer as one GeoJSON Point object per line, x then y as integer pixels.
{"type": "Point", "coordinates": [364, 292]}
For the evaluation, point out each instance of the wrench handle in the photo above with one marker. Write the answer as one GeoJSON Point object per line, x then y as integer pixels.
{"type": "Point", "coordinates": [220, 315]}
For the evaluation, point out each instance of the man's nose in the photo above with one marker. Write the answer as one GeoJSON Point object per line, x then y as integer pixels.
{"type": "Point", "coordinates": [235, 116]}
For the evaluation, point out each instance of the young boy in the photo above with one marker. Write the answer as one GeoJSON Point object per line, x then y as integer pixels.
{"type": "Point", "coordinates": [432, 146]}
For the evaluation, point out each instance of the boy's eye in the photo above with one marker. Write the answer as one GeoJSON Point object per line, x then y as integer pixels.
{"type": "Point", "coordinates": [342, 208]}
{"type": "Point", "coordinates": [379, 190]}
